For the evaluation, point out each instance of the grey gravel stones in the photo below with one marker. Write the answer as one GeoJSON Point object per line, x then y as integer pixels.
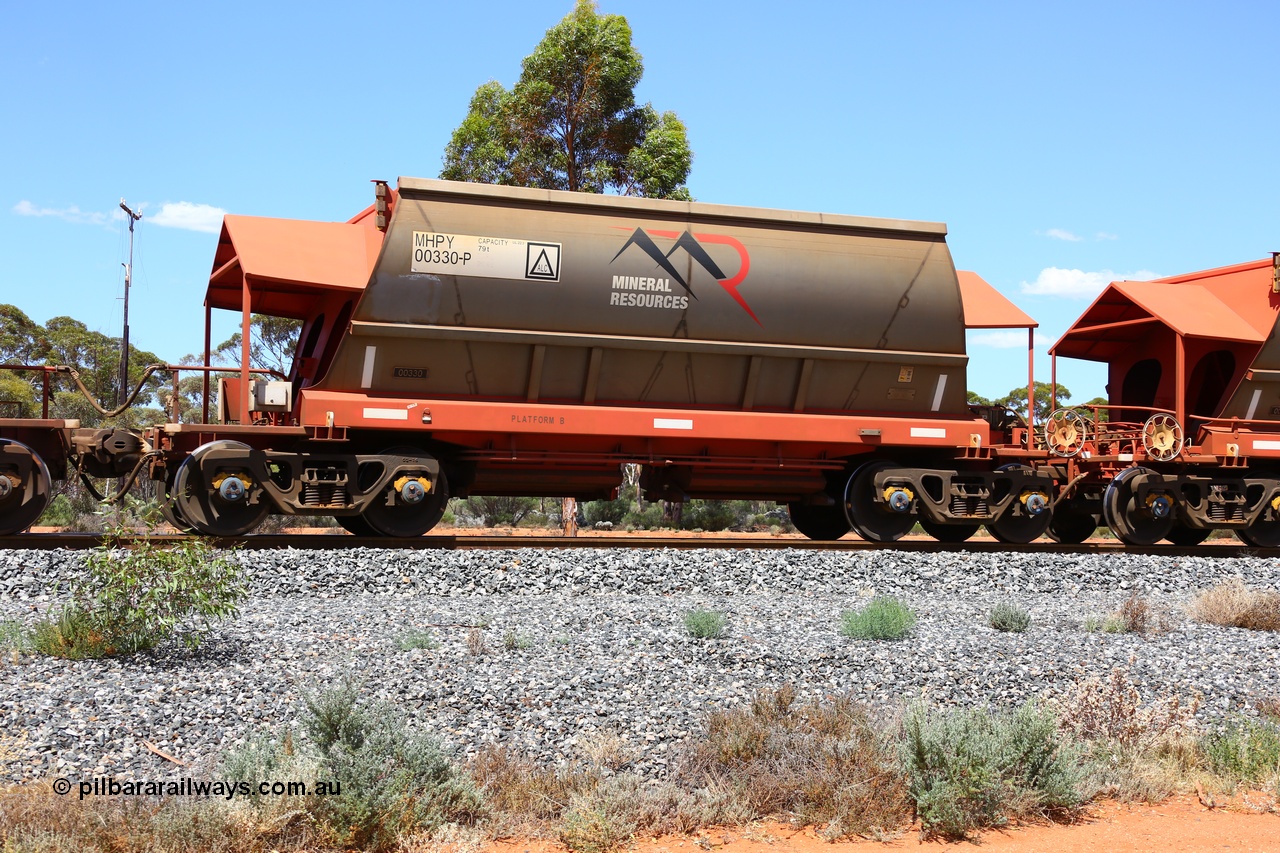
{"type": "Point", "coordinates": [603, 655]}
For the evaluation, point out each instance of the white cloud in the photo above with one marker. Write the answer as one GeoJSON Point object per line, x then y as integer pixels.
{"type": "Point", "coordinates": [1053, 281]}
{"type": "Point", "coordinates": [67, 214]}
{"type": "Point", "coordinates": [1103, 235]}
{"type": "Point", "coordinates": [190, 217]}
{"type": "Point", "coordinates": [1004, 339]}
{"type": "Point", "coordinates": [1062, 234]}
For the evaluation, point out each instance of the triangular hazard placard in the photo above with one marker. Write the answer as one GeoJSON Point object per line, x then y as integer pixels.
{"type": "Point", "coordinates": [542, 266]}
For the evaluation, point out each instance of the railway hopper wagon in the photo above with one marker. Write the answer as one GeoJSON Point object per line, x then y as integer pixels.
{"type": "Point", "coordinates": [1189, 440]}
{"type": "Point", "coordinates": [466, 339]}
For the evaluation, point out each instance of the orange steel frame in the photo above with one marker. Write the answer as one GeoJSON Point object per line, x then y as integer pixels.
{"type": "Point", "coordinates": [566, 427]}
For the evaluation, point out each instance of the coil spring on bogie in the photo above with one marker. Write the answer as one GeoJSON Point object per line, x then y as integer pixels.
{"type": "Point", "coordinates": [324, 494]}
{"type": "Point", "coordinates": [967, 507]}
{"type": "Point", "coordinates": [1221, 511]}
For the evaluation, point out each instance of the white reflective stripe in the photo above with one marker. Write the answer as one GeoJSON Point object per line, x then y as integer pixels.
{"type": "Point", "coordinates": [1253, 404]}
{"type": "Point", "coordinates": [1266, 444]}
{"type": "Point", "coordinates": [1124, 457]}
{"type": "Point", "coordinates": [672, 423]}
{"type": "Point", "coordinates": [366, 378]}
{"type": "Point", "coordinates": [928, 432]}
{"type": "Point", "coordinates": [937, 391]}
{"type": "Point", "coordinates": [387, 414]}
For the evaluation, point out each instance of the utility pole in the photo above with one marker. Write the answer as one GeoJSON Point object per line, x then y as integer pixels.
{"type": "Point", "coordinates": [123, 390]}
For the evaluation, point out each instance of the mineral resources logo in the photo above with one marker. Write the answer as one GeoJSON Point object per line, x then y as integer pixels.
{"type": "Point", "coordinates": [657, 292]}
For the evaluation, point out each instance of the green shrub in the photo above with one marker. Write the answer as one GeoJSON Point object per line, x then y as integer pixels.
{"type": "Point", "coordinates": [1009, 617]}
{"type": "Point", "coordinates": [393, 782]}
{"type": "Point", "coordinates": [595, 822]}
{"type": "Point", "coordinates": [12, 635]}
{"type": "Point", "coordinates": [705, 624]}
{"type": "Point", "coordinates": [649, 518]}
{"type": "Point", "coordinates": [499, 511]}
{"type": "Point", "coordinates": [73, 634]}
{"type": "Point", "coordinates": [1247, 751]}
{"type": "Point", "coordinates": [884, 618]}
{"type": "Point", "coordinates": [973, 769]}
{"type": "Point", "coordinates": [712, 515]}
{"type": "Point", "coordinates": [138, 597]}
{"type": "Point", "coordinates": [513, 641]}
{"type": "Point", "coordinates": [612, 512]}
{"type": "Point", "coordinates": [417, 638]}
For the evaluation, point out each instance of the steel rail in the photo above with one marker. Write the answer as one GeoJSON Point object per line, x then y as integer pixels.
{"type": "Point", "coordinates": [343, 541]}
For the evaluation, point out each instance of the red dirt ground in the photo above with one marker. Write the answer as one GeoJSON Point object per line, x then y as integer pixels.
{"type": "Point", "coordinates": [1181, 825]}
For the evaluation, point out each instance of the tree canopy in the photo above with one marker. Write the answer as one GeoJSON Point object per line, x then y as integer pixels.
{"type": "Point", "coordinates": [96, 357]}
{"type": "Point", "coordinates": [571, 121]}
{"type": "Point", "coordinates": [1017, 400]}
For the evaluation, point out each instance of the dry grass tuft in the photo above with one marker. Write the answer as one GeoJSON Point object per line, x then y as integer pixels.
{"type": "Point", "coordinates": [1139, 750]}
{"type": "Point", "coordinates": [476, 645]}
{"type": "Point", "coordinates": [821, 762]}
{"type": "Point", "coordinates": [33, 817]}
{"type": "Point", "coordinates": [1234, 605]}
{"type": "Point", "coordinates": [524, 797]}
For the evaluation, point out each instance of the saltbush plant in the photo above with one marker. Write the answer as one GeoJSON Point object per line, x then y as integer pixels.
{"type": "Point", "coordinates": [883, 618]}
{"type": "Point", "coordinates": [705, 624]}
{"type": "Point", "coordinates": [973, 769]}
{"type": "Point", "coordinates": [137, 596]}
{"type": "Point", "coordinates": [1009, 617]}
{"type": "Point", "coordinates": [392, 781]}
{"type": "Point", "coordinates": [417, 638]}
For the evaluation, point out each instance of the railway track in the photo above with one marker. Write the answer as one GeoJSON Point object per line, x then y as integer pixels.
{"type": "Point", "coordinates": [341, 541]}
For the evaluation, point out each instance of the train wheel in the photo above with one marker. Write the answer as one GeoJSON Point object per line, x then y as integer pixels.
{"type": "Point", "coordinates": [404, 509]}
{"type": "Point", "coordinates": [875, 520]}
{"type": "Point", "coordinates": [355, 525]}
{"type": "Point", "coordinates": [1261, 534]}
{"type": "Point", "coordinates": [948, 532]}
{"type": "Point", "coordinates": [1185, 536]}
{"type": "Point", "coordinates": [222, 502]}
{"type": "Point", "coordinates": [1017, 525]}
{"type": "Point", "coordinates": [24, 487]}
{"type": "Point", "coordinates": [823, 523]}
{"type": "Point", "coordinates": [169, 506]}
{"type": "Point", "coordinates": [1071, 526]}
{"type": "Point", "coordinates": [1131, 523]}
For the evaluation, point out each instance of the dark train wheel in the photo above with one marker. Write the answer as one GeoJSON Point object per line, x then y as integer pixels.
{"type": "Point", "coordinates": [1187, 536]}
{"type": "Point", "coordinates": [169, 506]}
{"type": "Point", "coordinates": [948, 532]}
{"type": "Point", "coordinates": [1016, 526]}
{"type": "Point", "coordinates": [869, 518]}
{"type": "Point", "coordinates": [355, 525]}
{"type": "Point", "coordinates": [1261, 534]}
{"type": "Point", "coordinates": [388, 515]}
{"type": "Point", "coordinates": [24, 487]}
{"type": "Point", "coordinates": [823, 523]}
{"type": "Point", "coordinates": [1132, 524]}
{"type": "Point", "coordinates": [1071, 526]}
{"type": "Point", "coordinates": [197, 502]}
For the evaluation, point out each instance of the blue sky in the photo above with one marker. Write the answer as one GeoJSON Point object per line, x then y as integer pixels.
{"type": "Point", "coordinates": [1063, 144]}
